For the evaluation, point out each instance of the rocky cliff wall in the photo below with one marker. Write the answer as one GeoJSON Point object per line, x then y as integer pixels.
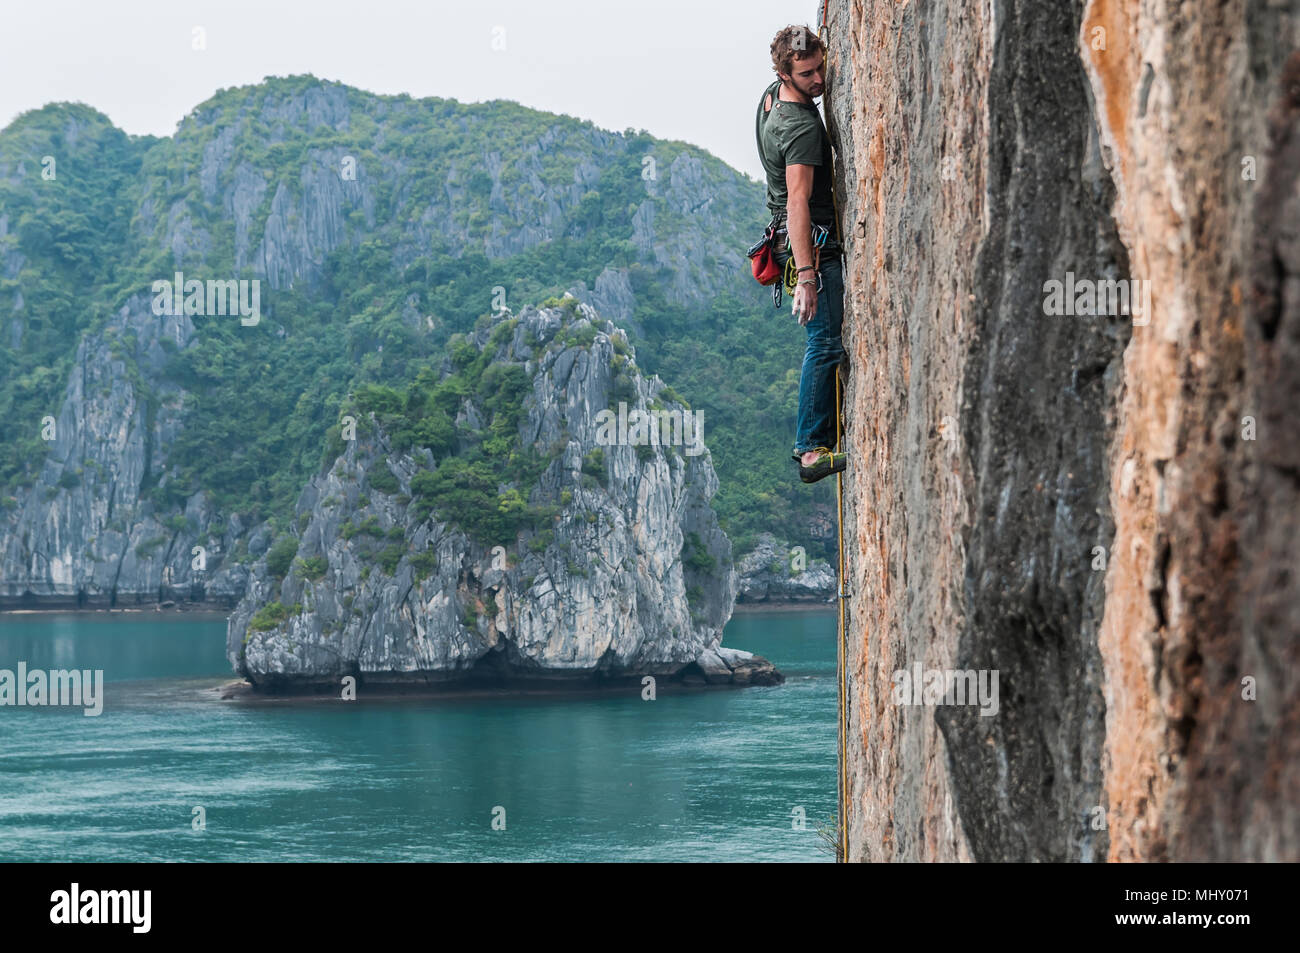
{"type": "Point", "coordinates": [1199, 110]}
{"type": "Point", "coordinates": [87, 534]}
{"type": "Point", "coordinates": [1067, 499]}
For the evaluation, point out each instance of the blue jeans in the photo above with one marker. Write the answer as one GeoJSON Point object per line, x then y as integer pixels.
{"type": "Point", "coordinates": [816, 425]}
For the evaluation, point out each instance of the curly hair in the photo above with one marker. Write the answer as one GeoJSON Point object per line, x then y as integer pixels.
{"type": "Point", "coordinates": [791, 43]}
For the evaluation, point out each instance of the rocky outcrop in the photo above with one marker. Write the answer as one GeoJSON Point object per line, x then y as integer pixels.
{"type": "Point", "coordinates": [1072, 500]}
{"type": "Point", "coordinates": [776, 573]}
{"type": "Point", "coordinates": [634, 577]}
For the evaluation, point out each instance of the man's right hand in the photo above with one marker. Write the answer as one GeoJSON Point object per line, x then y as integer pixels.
{"type": "Point", "coordinates": [804, 305]}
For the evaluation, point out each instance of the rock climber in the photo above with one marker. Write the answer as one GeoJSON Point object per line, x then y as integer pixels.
{"type": "Point", "coordinates": [796, 155]}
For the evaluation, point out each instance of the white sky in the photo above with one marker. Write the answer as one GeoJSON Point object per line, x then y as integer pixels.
{"type": "Point", "coordinates": [680, 69]}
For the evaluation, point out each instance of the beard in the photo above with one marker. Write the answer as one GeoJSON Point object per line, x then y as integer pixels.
{"type": "Point", "coordinates": [809, 89]}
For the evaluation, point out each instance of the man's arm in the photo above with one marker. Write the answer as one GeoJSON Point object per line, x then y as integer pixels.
{"type": "Point", "coordinates": [798, 217]}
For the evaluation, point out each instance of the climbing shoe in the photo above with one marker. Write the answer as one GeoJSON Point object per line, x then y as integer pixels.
{"type": "Point", "coordinates": [825, 464]}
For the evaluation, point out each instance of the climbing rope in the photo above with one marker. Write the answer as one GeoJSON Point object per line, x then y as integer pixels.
{"type": "Point", "coordinates": [841, 667]}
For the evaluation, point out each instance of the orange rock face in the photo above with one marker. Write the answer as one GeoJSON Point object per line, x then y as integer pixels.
{"type": "Point", "coordinates": [1201, 762]}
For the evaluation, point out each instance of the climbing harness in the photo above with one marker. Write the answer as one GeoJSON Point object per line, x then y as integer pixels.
{"type": "Point", "coordinates": [819, 234]}
{"type": "Point", "coordinates": [763, 259]}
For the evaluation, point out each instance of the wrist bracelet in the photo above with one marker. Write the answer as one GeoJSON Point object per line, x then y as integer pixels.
{"type": "Point", "coordinates": [804, 268]}
{"type": "Point", "coordinates": [808, 281]}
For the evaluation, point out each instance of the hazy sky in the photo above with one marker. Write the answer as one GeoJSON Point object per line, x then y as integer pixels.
{"type": "Point", "coordinates": [679, 69]}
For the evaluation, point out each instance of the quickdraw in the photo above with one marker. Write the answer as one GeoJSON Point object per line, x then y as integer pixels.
{"type": "Point", "coordinates": [791, 277]}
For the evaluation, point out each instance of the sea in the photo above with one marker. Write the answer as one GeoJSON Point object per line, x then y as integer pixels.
{"type": "Point", "coordinates": [170, 772]}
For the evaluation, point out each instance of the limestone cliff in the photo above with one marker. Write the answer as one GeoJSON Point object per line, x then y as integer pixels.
{"type": "Point", "coordinates": [1100, 506]}
{"type": "Point", "coordinates": [773, 573]}
{"type": "Point", "coordinates": [633, 577]}
{"type": "Point", "coordinates": [88, 534]}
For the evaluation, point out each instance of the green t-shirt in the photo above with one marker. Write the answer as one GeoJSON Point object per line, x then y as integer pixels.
{"type": "Point", "coordinates": [793, 134]}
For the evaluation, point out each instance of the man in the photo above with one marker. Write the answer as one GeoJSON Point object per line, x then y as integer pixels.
{"type": "Point", "coordinates": [796, 155]}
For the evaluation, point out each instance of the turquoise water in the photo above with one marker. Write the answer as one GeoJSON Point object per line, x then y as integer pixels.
{"type": "Point", "coordinates": [694, 775]}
